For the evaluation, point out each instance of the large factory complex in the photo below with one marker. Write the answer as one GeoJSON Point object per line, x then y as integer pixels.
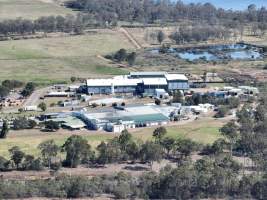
{"type": "Point", "coordinates": [107, 107]}
{"type": "Point", "coordinates": [138, 83]}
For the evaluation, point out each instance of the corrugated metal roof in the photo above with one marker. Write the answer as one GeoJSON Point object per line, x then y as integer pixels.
{"type": "Point", "coordinates": [154, 81]}
{"type": "Point", "coordinates": [171, 77]}
{"type": "Point", "coordinates": [72, 122]}
{"type": "Point", "coordinates": [99, 82]}
{"type": "Point", "coordinates": [125, 81]}
{"type": "Point", "coordinates": [149, 118]}
{"type": "Point", "coordinates": [158, 73]}
{"type": "Point", "coordinates": [139, 118]}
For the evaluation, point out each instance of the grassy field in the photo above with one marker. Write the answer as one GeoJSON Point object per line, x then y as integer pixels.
{"type": "Point", "coordinates": [57, 59]}
{"type": "Point", "coordinates": [203, 131]}
{"type": "Point", "coordinates": [30, 9]}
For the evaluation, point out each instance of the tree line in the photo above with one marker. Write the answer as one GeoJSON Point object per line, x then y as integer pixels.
{"type": "Point", "coordinates": [200, 33]}
{"type": "Point", "coordinates": [123, 148]}
{"type": "Point", "coordinates": [67, 24]}
{"type": "Point", "coordinates": [122, 55]}
{"type": "Point", "coordinates": [209, 177]}
{"type": "Point", "coordinates": [149, 11]}
{"type": "Point", "coordinates": [8, 85]}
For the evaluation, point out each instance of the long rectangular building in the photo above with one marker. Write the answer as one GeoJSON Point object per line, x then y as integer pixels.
{"type": "Point", "coordinates": [139, 83]}
{"type": "Point", "coordinates": [115, 120]}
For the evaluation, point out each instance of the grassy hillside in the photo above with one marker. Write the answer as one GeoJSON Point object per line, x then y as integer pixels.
{"type": "Point", "coordinates": [57, 59]}
{"type": "Point", "coordinates": [30, 9]}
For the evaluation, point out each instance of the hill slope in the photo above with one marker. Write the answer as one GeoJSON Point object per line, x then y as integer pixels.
{"type": "Point", "coordinates": [31, 9]}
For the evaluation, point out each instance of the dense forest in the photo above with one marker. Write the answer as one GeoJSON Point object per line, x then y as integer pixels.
{"type": "Point", "coordinates": [149, 11]}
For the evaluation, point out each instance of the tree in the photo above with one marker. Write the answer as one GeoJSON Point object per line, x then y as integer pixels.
{"type": "Point", "coordinates": [3, 91]}
{"type": "Point", "coordinates": [124, 139]}
{"type": "Point", "coordinates": [23, 123]}
{"type": "Point", "coordinates": [42, 106]}
{"type": "Point", "coordinates": [233, 102]}
{"type": "Point", "coordinates": [11, 84]}
{"type": "Point", "coordinates": [216, 148]}
{"type": "Point", "coordinates": [73, 79]}
{"type": "Point", "coordinates": [160, 36]}
{"type": "Point", "coordinates": [110, 152]}
{"type": "Point", "coordinates": [131, 58]}
{"type": "Point", "coordinates": [75, 147]}
{"type": "Point", "coordinates": [3, 163]}
{"type": "Point", "coordinates": [259, 189]}
{"type": "Point", "coordinates": [120, 55]}
{"type": "Point", "coordinates": [159, 133]}
{"type": "Point", "coordinates": [185, 147]}
{"type": "Point", "coordinates": [178, 97]}
{"type": "Point", "coordinates": [20, 123]}
{"type": "Point", "coordinates": [27, 162]}
{"type": "Point", "coordinates": [222, 111]}
{"type": "Point", "coordinates": [31, 124]}
{"type": "Point", "coordinates": [151, 152]}
{"type": "Point", "coordinates": [16, 155]}
{"type": "Point", "coordinates": [51, 125]}
{"type": "Point", "coordinates": [28, 90]}
{"type": "Point", "coordinates": [20, 110]}
{"type": "Point", "coordinates": [4, 130]}
{"type": "Point", "coordinates": [157, 102]}
{"type": "Point", "coordinates": [133, 151]}
{"type": "Point", "coordinates": [168, 144]}
{"type": "Point", "coordinates": [230, 131]}
{"type": "Point", "coordinates": [49, 150]}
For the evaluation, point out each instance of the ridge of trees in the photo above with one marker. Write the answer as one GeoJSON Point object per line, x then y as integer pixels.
{"type": "Point", "coordinates": [68, 24]}
{"type": "Point", "coordinates": [150, 11]}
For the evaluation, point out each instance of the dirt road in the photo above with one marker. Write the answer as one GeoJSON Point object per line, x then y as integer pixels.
{"type": "Point", "coordinates": [130, 38]}
{"type": "Point", "coordinates": [32, 100]}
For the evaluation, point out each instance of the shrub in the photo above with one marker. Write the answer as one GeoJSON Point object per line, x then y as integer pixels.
{"type": "Point", "coordinates": [42, 106]}
{"type": "Point", "coordinates": [157, 102]}
{"type": "Point", "coordinates": [73, 79]}
{"type": "Point", "coordinates": [233, 102]}
{"type": "Point", "coordinates": [11, 84]}
{"type": "Point", "coordinates": [55, 166]}
{"type": "Point", "coordinates": [222, 111]}
{"type": "Point", "coordinates": [51, 125]}
{"type": "Point", "coordinates": [3, 163]}
{"type": "Point", "coordinates": [23, 123]}
{"type": "Point", "coordinates": [94, 105]}
{"type": "Point", "coordinates": [28, 90]}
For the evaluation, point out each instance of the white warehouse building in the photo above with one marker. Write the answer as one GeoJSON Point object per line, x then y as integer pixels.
{"type": "Point", "coordinates": [138, 82]}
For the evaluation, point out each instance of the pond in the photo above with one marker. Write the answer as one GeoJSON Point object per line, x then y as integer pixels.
{"type": "Point", "coordinates": [216, 52]}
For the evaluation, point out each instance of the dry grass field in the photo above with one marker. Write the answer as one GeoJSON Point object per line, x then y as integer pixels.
{"type": "Point", "coordinates": [205, 131]}
{"type": "Point", "coordinates": [31, 9]}
{"type": "Point", "coordinates": [56, 59]}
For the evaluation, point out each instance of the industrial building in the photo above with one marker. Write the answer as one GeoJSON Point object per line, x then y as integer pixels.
{"type": "Point", "coordinates": [138, 83]}
{"type": "Point", "coordinates": [116, 120]}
